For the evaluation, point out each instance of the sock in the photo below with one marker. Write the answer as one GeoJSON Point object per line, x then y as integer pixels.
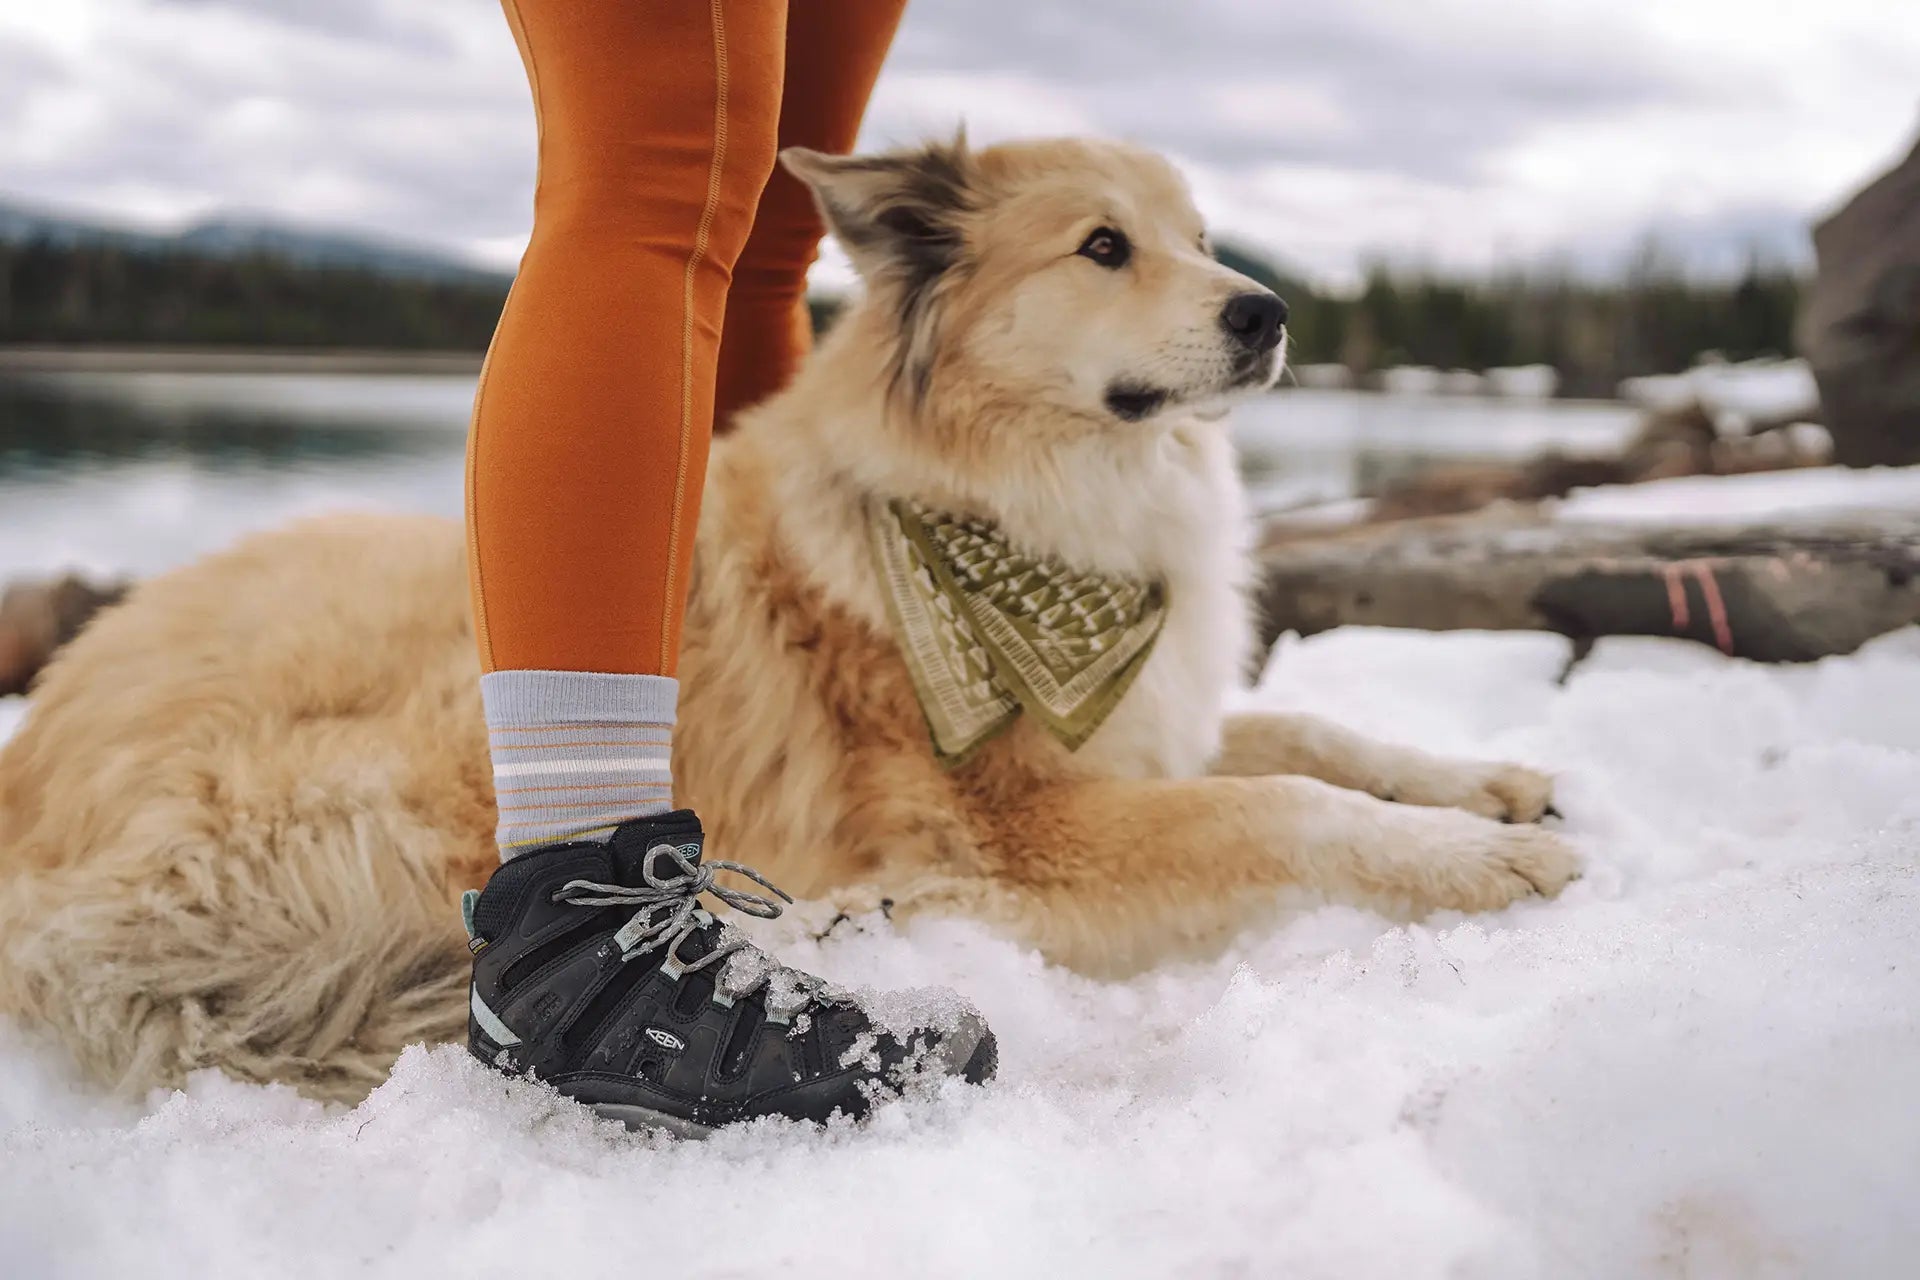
{"type": "Point", "coordinates": [576, 753]}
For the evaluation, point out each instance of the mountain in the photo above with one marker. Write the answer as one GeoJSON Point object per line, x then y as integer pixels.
{"type": "Point", "coordinates": [242, 236]}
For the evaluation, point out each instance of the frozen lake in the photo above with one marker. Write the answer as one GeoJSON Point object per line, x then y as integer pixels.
{"type": "Point", "coordinates": [136, 472]}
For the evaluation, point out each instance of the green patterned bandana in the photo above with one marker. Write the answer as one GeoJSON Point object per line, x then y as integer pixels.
{"type": "Point", "coordinates": [988, 630]}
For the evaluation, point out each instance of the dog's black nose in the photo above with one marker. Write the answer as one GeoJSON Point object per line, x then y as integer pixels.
{"type": "Point", "coordinates": [1254, 319]}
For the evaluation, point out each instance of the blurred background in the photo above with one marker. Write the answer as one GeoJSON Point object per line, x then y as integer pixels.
{"type": "Point", "coordinates": [251, 250]}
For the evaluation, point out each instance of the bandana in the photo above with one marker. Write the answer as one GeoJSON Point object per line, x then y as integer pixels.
{"type": "Point", "coordinates": [989, 631]}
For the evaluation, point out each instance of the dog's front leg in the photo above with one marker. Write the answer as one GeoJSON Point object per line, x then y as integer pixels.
{"type": "Point", "coordinates": [1256, 744]}
{"type": "Point", "coordinates": [1112, 876]}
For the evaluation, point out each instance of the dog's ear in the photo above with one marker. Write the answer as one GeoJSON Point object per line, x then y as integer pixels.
{"type": "Point", "coordinates": [896, 213]}
{"type": "Point", "coordinates": [901, 216]}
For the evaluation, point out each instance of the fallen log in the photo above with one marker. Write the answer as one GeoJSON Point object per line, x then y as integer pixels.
{"type": "Point", "coordinates": [1786, 591]}
{"type": "Point", "coordinates": [1778, 592]}
{"type": "Point", "coordinates": [38, 616]}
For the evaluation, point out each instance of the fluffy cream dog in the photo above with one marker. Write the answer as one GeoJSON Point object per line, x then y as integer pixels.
{"type": "Point", "coordinates": [235, 826]}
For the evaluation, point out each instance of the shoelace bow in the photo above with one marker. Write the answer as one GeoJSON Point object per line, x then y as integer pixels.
{"type": "Point", "coordinates": [748, 968]}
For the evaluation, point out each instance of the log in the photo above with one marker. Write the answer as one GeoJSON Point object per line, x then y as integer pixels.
{"type": "Point", "coordinates": [38, 616]}
{"type": "Point", "coordinates": [1786, 591]}
{"type": "Point", "coordinates": [1779, 592]}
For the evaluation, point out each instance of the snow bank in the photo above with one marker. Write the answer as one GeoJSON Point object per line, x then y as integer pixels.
{"type": "Point", "coordinates": [1734, 394]}
{"type": "Point", "coordinates": [1412, 380]}
{"type": "Point", "coordinates": [1748, 499]}
{"type": "Point", "coordinates": [1699, 1062]}
{"type": "Point", "coordinates": [1524, 382]}
{"type": "Point", "coordinates": [1322, 377]}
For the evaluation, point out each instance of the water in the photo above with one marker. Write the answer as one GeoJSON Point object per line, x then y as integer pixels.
{"type": "Point", "coordinates": [135, 472]}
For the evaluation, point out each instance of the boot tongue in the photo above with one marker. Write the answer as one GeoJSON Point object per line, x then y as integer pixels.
{"type": "Point", "coordinates": [632, 842]}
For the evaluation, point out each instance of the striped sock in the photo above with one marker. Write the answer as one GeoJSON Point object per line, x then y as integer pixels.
{"type": "Point", "coordinates": [576, 753]}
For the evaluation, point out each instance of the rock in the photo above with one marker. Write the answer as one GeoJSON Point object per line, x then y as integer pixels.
{"type": "Point", "coordinates": [37, 617]}
{"type": "Point", "coordinates": [1860, 325]}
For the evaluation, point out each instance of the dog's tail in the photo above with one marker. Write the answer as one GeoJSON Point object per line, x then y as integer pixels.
{"type": "Point", "coordinates": [311, 966]}
{"type": "Point", "coordinates": [227, 842]}
{"type": "Point", "coordinates": [300, 940]}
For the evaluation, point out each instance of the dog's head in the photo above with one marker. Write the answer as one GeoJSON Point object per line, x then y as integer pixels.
{"type": "Point", "coordinates": [1070, 274]}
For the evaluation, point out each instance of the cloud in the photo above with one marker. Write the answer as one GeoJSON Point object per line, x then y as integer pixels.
{"type": "Point", "coordinates": [1458, 132]}
{"type": "Point", "coordinates": [1432, 87]}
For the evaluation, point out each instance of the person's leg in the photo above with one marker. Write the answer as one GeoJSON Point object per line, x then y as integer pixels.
{"type": "Point", "coordinates": [657, 124]}
{"type": "Point", "coordinates": [834, 52]}
{"type": "Point", "coordinates": [589, 442]}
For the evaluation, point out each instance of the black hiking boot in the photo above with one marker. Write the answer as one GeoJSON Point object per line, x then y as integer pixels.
{"type": "Point", "coordinates": [596, 970]}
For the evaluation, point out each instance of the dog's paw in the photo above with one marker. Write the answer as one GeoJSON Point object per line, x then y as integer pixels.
{"type": "Point", "coordinates": [1483, 866]}
{"type": "Point", "coordinates": [1511, 793]}
{"type": "Point", "coordinates": [1503, 792]}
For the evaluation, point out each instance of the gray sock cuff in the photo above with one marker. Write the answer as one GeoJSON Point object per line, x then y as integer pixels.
{"type": "Point", "coordinates": [517, 697]}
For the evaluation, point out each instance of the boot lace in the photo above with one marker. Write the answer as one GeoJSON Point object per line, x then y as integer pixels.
{"type": "Point", "coordinates": [669, 912]}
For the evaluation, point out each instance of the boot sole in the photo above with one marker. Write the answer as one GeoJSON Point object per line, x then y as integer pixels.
{"type": "Point", "coordinates": [979, 1067]}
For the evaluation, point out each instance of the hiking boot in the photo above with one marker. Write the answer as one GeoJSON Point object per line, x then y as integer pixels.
{"type": "Point", "coordinates": [596, 970]}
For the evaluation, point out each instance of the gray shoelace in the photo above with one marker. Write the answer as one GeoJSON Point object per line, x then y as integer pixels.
{"type": "Point", "coordinates": [669, 911]}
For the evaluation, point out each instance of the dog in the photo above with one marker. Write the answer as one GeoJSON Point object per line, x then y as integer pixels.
{"type": "Point", "coordinates": [234, 829]}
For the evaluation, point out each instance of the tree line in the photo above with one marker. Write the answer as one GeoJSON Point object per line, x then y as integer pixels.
{"type": "Point", "coordinates": [1657, 319]}
{"type": "Point", "coordinates": [91, 292]}
{"type": "Point", "coordinates": [1654, 320]}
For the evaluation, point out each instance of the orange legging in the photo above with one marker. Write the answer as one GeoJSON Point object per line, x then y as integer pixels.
{"type": "Point", "coordinates": [659, 122]}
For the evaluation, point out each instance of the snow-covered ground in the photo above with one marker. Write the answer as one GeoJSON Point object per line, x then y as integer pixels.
{"type": "Point", "coordinates": [1700, 1062]}
{"type": "Point", "coordinates": [1754, 498]}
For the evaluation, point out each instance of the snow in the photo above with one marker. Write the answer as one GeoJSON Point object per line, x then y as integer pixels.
{"type": "Point", "coordinates": [1321, 377]}
{"type": "Point", "coordinates": [1524, 382]}
{"type": "Point", "coordinates": [1698, 1062]}
{"type": "Point", "coordinates": [1749, 499]}
{"type": "Point", "coordinates": [1411, 380]}
{"type": "Point", "coordinates": [12, 711]}
{"type": "Point", "coordinates": [1735, 394]}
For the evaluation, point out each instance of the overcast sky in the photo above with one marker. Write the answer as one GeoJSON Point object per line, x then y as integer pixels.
{"type": "Point", "coordinates": [1461, 133]}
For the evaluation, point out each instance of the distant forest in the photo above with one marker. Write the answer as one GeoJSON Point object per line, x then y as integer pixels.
{"type": "Point", "coordinates": [92, 292]}
{"type": "Point", "coordinates": [1656, 320]}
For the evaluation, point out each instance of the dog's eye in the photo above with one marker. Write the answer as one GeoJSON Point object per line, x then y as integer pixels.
{"type": "Point", "coordinates": [1107, 247]}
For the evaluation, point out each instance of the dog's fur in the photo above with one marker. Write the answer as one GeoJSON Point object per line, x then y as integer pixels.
{"type": "Point", "coordinates": [233, 829]}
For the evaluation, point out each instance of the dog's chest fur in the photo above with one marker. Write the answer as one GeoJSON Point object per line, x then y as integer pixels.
{"type": "Point", "coordinates": [1171, 509]}
{"type": "Point", "coordinates": [1190, 532]}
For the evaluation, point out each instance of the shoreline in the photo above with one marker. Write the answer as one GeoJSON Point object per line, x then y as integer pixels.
{"type": "Point", "coordinates": [49, 359]}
